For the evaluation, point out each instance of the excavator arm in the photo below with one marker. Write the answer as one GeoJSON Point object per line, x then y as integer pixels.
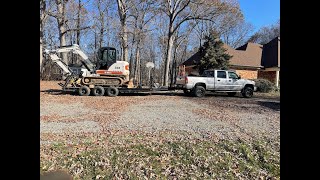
{"type": "Point", "coordinates": [75, 49]}
{"type": "Point", "coordinates": [54, 57]}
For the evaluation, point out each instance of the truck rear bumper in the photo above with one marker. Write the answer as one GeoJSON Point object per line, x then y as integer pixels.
{"type": "Point", "coordinates": [255, 88]}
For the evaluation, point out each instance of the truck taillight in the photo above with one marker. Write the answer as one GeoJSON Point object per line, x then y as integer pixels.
{"type": "Point", "coordinates": [127, 67]}
{"type": "Point", "coordinates": [186, 80]}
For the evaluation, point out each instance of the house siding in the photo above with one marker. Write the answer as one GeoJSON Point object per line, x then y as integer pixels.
{"type": "Point", "coordinates": [247, 74]}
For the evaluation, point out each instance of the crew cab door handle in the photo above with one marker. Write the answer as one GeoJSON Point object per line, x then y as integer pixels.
{"type": "Point", "coordinates": [218, 79]}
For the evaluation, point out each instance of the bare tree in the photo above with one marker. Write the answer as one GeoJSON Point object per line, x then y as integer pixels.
{"type": "Point", "coordinates": [266, 34]}
{"type": "Point", "coordinates": [143, 11]}
{"type": "Point", "coordinates": [181, 11]}
{"type": "Point", "coordinates": [123, 8]}
{"type": "Point", "coordinates": [60, 16]}
{"type": "Point", "coordinates": [237, 35]}
{"type": "Point", "coordinates": [43, 18]}
{"type": "Point", "coordinates": [78, 21]}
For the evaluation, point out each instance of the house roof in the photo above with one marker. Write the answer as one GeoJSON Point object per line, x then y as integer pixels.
{"type": "Point", "coordinates": [247, 55]}
{"type": "Point", "coordinates": [196, 57]}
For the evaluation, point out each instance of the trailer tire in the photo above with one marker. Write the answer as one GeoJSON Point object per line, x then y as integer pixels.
{"type": "Point", "coordinates": [199, 91]}
{"type": "Point", "coordinates": [112, 91]}
{"type": "Point", "coordinates": [98, 91]}
{"type": "Point", "coordinates": [84, 91]}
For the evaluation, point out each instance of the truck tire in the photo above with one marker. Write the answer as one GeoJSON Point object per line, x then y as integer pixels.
{"type": "Point", "coordinates": [231, 94]}
{"type": "Point", "coordinates": [98, 91]}
{"type": "Point", "coordinates": [84, 91]}
{"type": "Point", "coordinates": [112, 91]}
{"type": "Point", "coordinates": [199, 91]}
{"type": "Point", "coordinates": [247, 92]}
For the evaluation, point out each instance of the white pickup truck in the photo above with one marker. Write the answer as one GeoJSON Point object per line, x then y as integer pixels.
{"type": "Point", "coordinates": [216, 81]}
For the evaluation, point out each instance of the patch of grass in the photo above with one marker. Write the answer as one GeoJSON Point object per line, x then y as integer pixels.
{"type": "Point", "coordinates": [199, 159]}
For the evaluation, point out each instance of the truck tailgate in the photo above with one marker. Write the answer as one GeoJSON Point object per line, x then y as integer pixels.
{"type": "Point", "coordinates": [181, 80]}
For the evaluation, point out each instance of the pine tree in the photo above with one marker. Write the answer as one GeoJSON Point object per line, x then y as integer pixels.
{"type": "Point", "coordinates": [213, 54]}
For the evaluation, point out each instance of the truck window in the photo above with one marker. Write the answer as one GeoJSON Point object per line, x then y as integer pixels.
{"type": "Point", "coordinates": [208, 74]}
{"type": "Point", "coordinates": [221, 74]}
{"type": "Point", "coordinates": [233, 75]}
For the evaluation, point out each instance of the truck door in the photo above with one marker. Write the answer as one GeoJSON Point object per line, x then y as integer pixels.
{"type": "Point", "coordinates": [209, 79]}
{"type": "Point", "coordinates": [221, 81]}
{"type": "Point", "coordinates": [233, 81]}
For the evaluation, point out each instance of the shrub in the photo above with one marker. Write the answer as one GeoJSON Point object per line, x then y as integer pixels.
{"type": "Point", "coordinates": [264, 85]}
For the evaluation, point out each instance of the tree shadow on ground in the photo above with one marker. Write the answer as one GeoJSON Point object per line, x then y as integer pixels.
{"type": "Point", "coordinates": [270, 104]}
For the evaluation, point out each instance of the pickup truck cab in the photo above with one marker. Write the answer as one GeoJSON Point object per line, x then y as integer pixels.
{"type": "Point", "coordinates": [216, 81]}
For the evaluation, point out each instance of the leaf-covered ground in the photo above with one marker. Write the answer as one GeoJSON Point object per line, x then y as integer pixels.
{"type": "Point", "coordinates": [248, 149]}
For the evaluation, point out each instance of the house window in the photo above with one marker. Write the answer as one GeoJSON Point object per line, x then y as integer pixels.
{"type": "Point", "coordinates": [221, 74]}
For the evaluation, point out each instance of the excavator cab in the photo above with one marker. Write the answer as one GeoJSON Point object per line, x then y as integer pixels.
{"type": "Point", "coordinates": [106, 57]}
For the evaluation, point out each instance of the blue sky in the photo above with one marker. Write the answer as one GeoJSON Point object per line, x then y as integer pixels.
{"type": "Point", "coordinates": [260, 12]}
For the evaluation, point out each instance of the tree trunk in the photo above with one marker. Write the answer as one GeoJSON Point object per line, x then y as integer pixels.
{"type": "Point", "coordinates": [101, 33]}
{"type": "Point", "coordinates": [137, 71]}
{"type": "Point", "coordinates": [173, 66]}
{"type": "Point", "coordinates": [43, 18]}
{"type": "Point", "coordinates": [62, 38]}
{"type": "Point", "coordinates": [41, 59]}
{"type": "Point", "coordinates": [125, 41]}
{"type": "Point", "coordinates": [168, 58]}
{"type": "Point", "coordinates": [101, 19]}
{"type": "Point", "coordinates": [78, 23]}
{"type": "Point", "coordinates": [124, 37]}
{"type": "Point", "coordinates": [131, 65]}
{"type": "Point", "coordinates": [61, 26]}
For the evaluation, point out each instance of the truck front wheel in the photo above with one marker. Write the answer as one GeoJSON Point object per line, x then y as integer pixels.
{"type": "Point", "coordinates": [199, 91]}
{"type": "Point", "coordinates": [247, 92]}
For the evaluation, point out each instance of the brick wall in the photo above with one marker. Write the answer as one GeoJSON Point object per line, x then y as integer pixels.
{"type": "Point", "coordinates": [248, 74]}
{"type": "Point", "coordinates": [270, 75]}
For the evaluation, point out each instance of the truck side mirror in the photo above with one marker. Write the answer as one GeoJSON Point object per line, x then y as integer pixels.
{"type": "Point", "coordinates": [239, 77]}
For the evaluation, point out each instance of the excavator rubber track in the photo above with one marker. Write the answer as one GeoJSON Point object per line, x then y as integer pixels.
{"type": "Point", "coordinates": [102, 81]}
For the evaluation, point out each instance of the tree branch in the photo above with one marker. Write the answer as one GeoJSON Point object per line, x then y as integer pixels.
{"type": "Point", "coordinates": [76, 29]}
{"type": "Point", "coordinates": [180, 10]}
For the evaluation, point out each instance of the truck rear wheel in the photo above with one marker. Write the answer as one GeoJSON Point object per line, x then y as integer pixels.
{"type": "Point", "coordinates": [98, 91]}
{"type": "Point", "coordinates": [112, 91]}
{"type": "Point", "coordinates": [84, 91]}
{"type": "Point", "coordinates": [247, 92]}
{"type": "Point", "coordinates": [199, 91]}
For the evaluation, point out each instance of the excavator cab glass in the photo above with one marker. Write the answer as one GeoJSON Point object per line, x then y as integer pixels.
{"type": "Point", "coordinates": [106, 57]}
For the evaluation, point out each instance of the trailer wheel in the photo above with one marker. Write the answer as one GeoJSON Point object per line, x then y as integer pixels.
{"type": "Point", "coordinates": [112, 91]}
{"type": "Point", "coordinates": [84, 91]}
{"type": "Point", "coordinates": [98, 91]}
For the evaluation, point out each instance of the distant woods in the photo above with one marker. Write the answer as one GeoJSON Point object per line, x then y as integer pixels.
{"type": "Point", "coordinates": [166, 32]}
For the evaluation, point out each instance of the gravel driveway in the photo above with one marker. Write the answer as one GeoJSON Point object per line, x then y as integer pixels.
{"type": "Point", "coordinates": [219, 116]}
{"type": "Point", "coordinates": [178, 114]}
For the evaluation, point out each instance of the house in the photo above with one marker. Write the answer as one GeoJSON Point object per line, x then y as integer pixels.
{"type": "Point", "coordinates": [250, 61]}
{"type": "Point", "coordinates": [271, 61]}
